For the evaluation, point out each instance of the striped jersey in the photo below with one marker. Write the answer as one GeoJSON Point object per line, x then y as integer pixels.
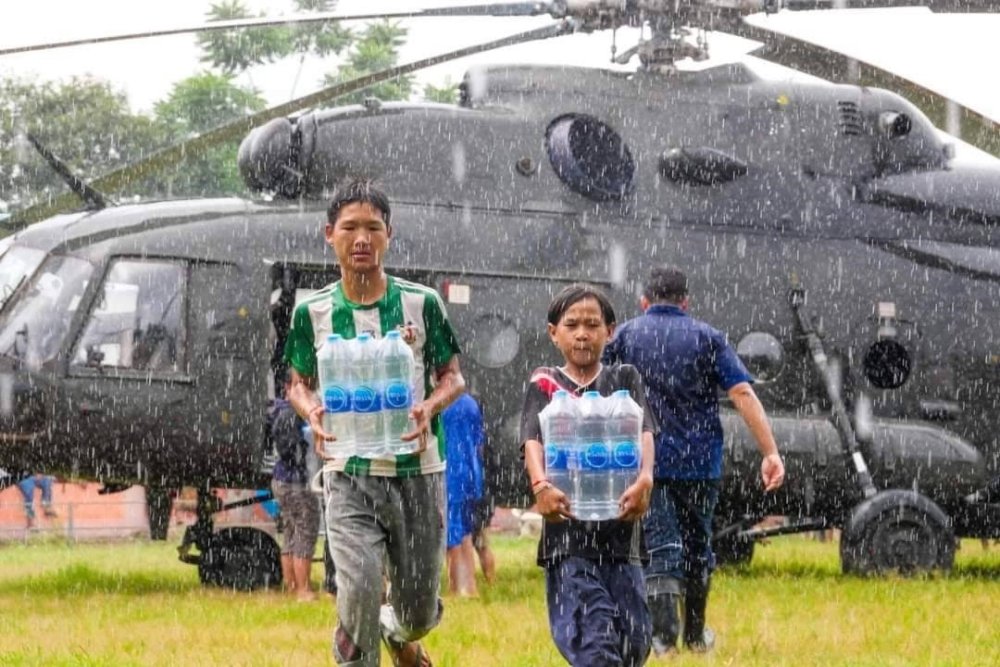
{"type": "Point", "coordinates": [328, 311]}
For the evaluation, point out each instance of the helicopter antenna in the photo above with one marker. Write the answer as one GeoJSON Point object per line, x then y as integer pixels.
{"type": "Point", "coordinates": [92, 198]}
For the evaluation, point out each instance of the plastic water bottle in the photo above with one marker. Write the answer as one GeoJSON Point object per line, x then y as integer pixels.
{"type": "Point", "coordinates": [624, 431]}
{"type": "Point", "coordinates": [558, 420]}
{"type": "Point", "coordinates": [396, 368]}
{"type": "Point", "coordinates": [334, 361]}
{"type": "Point", "coordinates": [594, 502]}
{"type": "Point", "coordinates": [366, 399]}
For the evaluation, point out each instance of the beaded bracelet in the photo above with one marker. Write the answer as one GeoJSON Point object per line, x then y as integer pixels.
{"type": "Point", "coordinates": [540, 485]}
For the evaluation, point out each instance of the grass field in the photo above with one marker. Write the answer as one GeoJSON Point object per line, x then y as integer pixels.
{"type": "Point", "coordinates": [135, 604]}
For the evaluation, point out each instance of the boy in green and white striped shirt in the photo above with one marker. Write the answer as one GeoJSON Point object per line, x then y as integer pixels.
{"type": "Point", "coordinates": [392, 506]}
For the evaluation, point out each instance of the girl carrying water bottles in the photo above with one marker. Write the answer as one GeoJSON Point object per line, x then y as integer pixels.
{"type": "Point", "coordinates": [595, 591]}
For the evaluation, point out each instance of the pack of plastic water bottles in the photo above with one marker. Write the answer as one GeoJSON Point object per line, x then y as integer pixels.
{"type": "Point", "coordinates": [366, 385]}
{"type": "Point", "coordinates": [592, 449]}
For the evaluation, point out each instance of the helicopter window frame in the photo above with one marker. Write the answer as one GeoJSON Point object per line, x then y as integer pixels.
{"type": "Point", "coordinates": [591, 157]}
{"type": "Point", "coordinates": [155, 351]}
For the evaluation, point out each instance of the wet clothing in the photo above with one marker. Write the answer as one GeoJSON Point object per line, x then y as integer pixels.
{"type": "Point", "coordinates": [595, 593]}
{"type": "Point", "coordinates": [289, 444]}
{"type": "Point", "coordinates": [299, 518]}
{"type": "Point", "coordinates": [389, 525]}
{"type": "Point", "coordinates": [679, 528]}
{"type": "Point", "coordinates": [683, 363]}
{"type": "Point", "coordinates": [290, 482]}
{"type": "Point", "coordinates": [27, 488]}
{"type": "Point", "coordinates": [598, 613]}
{"type": "Point", "coordinates": [599, 541]}
{"type": "Point", "coordinates": [383, 516]}
{"type": "Point", "coordinates": [404, 303]}
{"type": "Point", "coordinates": [463, 436]}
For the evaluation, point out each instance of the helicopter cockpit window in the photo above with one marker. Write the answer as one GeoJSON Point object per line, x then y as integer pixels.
{"type": "Point", "coordinates": [590, 157]}
{"type": "Point", "coordinates": [15, 266]}
{"type": "Point", "coordinates": [138, 322]}
{"type": "Point", "coordinates": [763, 355]}
{"type": "Point", "coordinates": [34, 328]}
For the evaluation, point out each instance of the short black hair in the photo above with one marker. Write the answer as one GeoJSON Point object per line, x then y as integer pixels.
{"type": "Point", "coordinates": [666, 283]}
{"type": "Point", "coordinates": [358, 190]}
{"type": "Point", "coordinates": [575, 293]}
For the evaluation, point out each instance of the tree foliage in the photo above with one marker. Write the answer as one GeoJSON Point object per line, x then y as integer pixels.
{"type": "Point", "coordinates": [195, 105]}
{"type": "Point", "coordinates": [90, 126]}
{"type": "Point", "coordinates": [376, 48]}
{"type": "Point", "coordinates": [83, 121]}
{"type": "Point", "coordinates": [446, 94]}
{"type": "Point", "coordinates": [235, 51]}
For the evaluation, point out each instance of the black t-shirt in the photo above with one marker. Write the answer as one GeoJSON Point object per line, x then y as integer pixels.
{"type": "Point", "coordinates": [599, 541]}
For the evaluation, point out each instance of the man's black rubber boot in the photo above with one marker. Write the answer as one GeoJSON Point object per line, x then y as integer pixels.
{"type": "Point", "coordinates": [697, 637]}
{"type": "Point", "coordinates": [666, 622]}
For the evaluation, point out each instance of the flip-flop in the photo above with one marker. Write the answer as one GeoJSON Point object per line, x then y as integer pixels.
{"type": "Point", "coordinates": [395, 651]}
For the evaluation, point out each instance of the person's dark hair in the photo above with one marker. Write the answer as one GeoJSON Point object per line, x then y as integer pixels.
{"type": "Point", "coordinates": [575, 293]}
{"type": "Point", "coordinates": [666, 284]}
{"type": "Point", "coordinates": [362, 191]}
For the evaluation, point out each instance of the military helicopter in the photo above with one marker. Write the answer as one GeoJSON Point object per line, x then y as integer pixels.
{"type": "Point", "coordinates": [825, 227]}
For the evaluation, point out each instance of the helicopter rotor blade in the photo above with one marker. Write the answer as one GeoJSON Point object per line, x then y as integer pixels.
{"type": "Point", "coordinates": [943, 6]}
{"type": "Point", "coordinates": [502, 9]}
{"type": "Point", "coordinates": [114, 180]}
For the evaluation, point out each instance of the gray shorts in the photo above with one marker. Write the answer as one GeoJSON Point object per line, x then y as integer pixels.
{"type": "Point", "coordinates": [391, 528]}
{"type": "Point", "coordinates": [299, 518]}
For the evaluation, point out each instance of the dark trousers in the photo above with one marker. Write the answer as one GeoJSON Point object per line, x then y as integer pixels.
{"type": "Point", "coordinates": [678, 529]}
{"type": "Point", "coordinates": [679, 536]}
{"type": "Point", "coordinates": [597, 613]}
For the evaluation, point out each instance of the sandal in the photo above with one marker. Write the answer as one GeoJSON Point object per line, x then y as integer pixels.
{"type": "Point", "coordinates": [410, 654]}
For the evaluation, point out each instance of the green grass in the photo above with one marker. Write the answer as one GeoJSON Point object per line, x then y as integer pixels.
{"type": "Point", "coordinates": [135, 604]}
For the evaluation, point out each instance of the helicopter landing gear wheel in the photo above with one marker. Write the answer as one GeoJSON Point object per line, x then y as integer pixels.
{"type": "Point", "coordinates": [733, 550]}
{"type": "Point", "coordinates": [241, 558]}
{"type": "Point", "coordinates": [897, 531]}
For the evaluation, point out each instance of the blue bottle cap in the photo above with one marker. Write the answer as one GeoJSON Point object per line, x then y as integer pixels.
{"type": "Point", "coordinates": [591, 394]}
{"type": "Point", "coordinates": [392, 334]}
{"type": "Point", "coordinates": [364, 337]}
{"type": "Point", "coordinates": [560, 393]}
{"type": "Point", "coordinates": [621, 393]}
{"type": "Point", "coordinates": [332, 338]}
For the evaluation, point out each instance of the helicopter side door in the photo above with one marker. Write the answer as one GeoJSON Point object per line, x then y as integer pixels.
{"type": "Point", "coordinates": [128, 375]}
{"type": "Point", "coordinates": [229, 360]}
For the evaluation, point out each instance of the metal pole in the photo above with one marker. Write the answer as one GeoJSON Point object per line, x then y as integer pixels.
{"type": "Point", "coordinates": [838, 411]}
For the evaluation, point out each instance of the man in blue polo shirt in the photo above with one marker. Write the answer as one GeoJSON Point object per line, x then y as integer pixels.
{"type": "Point", "coordinates": [684, 362]}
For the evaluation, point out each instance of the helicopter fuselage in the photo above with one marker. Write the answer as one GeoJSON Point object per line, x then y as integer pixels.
{"type": "Point", "coordinates": [542, 177]}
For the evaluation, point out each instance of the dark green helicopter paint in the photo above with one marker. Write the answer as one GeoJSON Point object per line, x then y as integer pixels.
{"type": "Point", "coordinates": [753, 187]}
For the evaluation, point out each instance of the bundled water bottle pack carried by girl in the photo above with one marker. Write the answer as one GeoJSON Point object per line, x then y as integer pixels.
{"type": "Point", "coordinates": [592, 449]}
{"type": "Point", "coordinates": [366, 386]}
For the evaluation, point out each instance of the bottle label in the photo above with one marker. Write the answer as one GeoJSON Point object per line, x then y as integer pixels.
{"type": "Point", "coordinates": [626, 455]}
{"type": "Point", "coordinates": [366, 400]}
{"type": "Point", "coordinates": [596, 456]}
{"type": "Point", "coordinates": [555, 457]}
{"type": "Point", "coordinates": [398, 395]}
{"type": "Point", "coordinates": [336, 399]}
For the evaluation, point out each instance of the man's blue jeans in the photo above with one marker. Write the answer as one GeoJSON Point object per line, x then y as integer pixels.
{"type": "Point", "coordinates": [27, 487]}
{"type": "Point", "coordinates": [678, 529]}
